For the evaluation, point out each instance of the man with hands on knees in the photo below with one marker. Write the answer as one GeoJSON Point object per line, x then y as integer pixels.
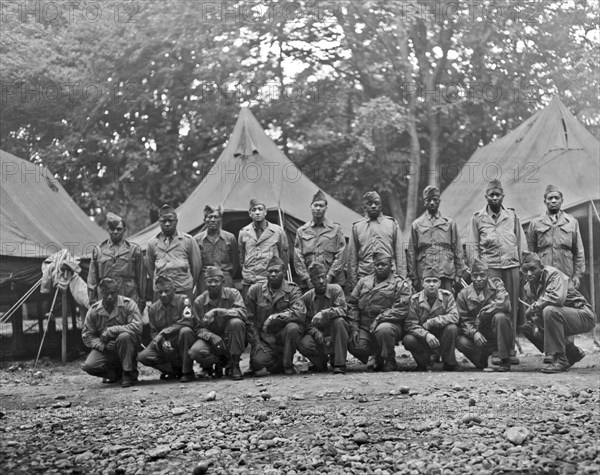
{"type": "Point", "coordinates": [112, 329]}
{"type": "Point", "coordinates": [276, 317]}
{"type": "Point", "coordinates": [327, 329]}
{"type": "Point", "coordinates": [484, 312]}
{"type": "Point", "coordinates": [172, 325]}
{"type": "Point", "coordinates": [222, 332]}
{"type": "Point", "coordinates": [432, 323]}
{"type": "Point", "coordinates": [377, 309]}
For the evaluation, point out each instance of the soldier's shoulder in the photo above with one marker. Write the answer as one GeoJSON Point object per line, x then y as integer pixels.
{"type": "Point", "coordinates": [187, 236]}
{"type": "Point", "coordinates": [446, 293]}
{"type": "Point", "coordinates": [358, 221]}
{"type": "Point", "coordinates": [303, 228]}
{"type": "Point", "coordinates": [96, 306]}
{"type": "Point", "coordinates": [126, 301]}
{"type": "Point", "coordinates": [497, 281]}
{"type": "Point", "coordinates": [415, 296]}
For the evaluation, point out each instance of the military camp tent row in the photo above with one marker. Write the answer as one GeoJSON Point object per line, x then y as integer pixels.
{"type": "Point", "coordinates": [39, 218]}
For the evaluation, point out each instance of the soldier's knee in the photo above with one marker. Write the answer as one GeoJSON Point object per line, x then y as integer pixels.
{"type": "Point", "coordinates": [292, 329]}
{"type": "Point", "coordinates": [452, 330]}
{"type": "Point", "coordinates": [550, 312]}
{"type": "Point", "coordinates": [124, 338]}
{"type": "Point", "coordinates": [409, 341]}
{"type": "Point", "coordinates": [237, 324]}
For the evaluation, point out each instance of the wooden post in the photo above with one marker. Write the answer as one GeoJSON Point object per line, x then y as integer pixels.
{"type": "Point", "coordinates": [65, 325]}
{"type": "Point", "coordinates": [591, 254]}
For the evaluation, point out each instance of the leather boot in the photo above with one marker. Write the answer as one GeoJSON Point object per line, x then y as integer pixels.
{"type": "Point", "coordinates": [236, 373]}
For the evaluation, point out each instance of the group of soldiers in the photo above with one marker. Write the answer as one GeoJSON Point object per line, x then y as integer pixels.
{"type": "Point", "coordinates": [363, 297]}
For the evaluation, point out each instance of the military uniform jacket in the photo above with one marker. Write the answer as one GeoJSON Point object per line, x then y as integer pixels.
{"type": "Point", "coordinates": [386, 301]}
{"type": "Point", "coordinates": [124, 263]}
{"type": "Point", "coordinates": [261, 303]}
{"type": "Point", "coordinates": [498, 243]}
{"type": "Point", "coordinates": [255, 252]}
{"type": "Point", "coordinates": [222, 253]}
{"type": "Point", "coordinates": [172, 317]}
{"type": "Point", "coordinates": [554, 289]}
{"type": "Point", "coordinates": [332, 305]}
{"type": "Point", "coordinates": [440, 314]}
{"type": "Point", "coordinates": [558, 244]}
{"type": "Point", "coordinates": [229, 305]}
{"type": "Point", "coordinates": [436, 243]}
{"type": "Point", "coordinates": [469, 304]}
{"type": "Point", "coordinates": [324, 243]}
{"type": "Point", "coordinates": [124, 318]}
{"type": "Point", "coordinates": [180, 260]}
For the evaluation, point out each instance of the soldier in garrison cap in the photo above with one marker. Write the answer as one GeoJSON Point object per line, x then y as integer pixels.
{"type": "Point", "coordinates": [276, 316]}
{"type": "Point", "coordinates": [327, 329]}
{"type": "Point", "coordinates": [172, 326]}
{"type": "Point", "coordinates": [120, 260]}
{"type": "Point", "coordinates": [484, 312]}
{"type": "Point", "coordinates": [496, 237]}
{"type": "Point", "coordinates": [374, 231]}
{"type": "Point", "coordinates": [222, 332]}
{"type": "Point", "coordinates": [377, 309]}
{"type": "Point", "coordinates": [320, 240]}
{"type": "Point", "coordinates": [218, 247]}
{"type": "Point", "coordinates": [432, 323]}
{"type": "Point", "coordinates": [257, 243]}
{"type": "Point", "coordinates": [112, 330]}
{"type": "Point", "coordinates": [173, 254]}
{"type": "Point", "coordinates": [434, 242]}
{"type": "Point", "coordinates": [557, 310]}
{"type": "Point", "coordinates": [555, 237]}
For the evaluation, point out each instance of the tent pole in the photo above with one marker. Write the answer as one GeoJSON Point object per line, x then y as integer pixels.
{"type": "Point", "coordinates": [65, 324]}
{"type": "Point", "coordinates": [591, 254]}
{"type": "Point", "coordinates": [287, 264]}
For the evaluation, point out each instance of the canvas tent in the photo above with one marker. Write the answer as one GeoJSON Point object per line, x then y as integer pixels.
{"type": "Point", "coordinates": [551, 147]}
{"type": "Point", "coordinates": [252, 166]}
{"type": "Point", "coordinates": [37, 218]}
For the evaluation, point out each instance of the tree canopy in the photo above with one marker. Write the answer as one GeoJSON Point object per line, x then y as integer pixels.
{"type": "Point", "coordinates": [129, 103]}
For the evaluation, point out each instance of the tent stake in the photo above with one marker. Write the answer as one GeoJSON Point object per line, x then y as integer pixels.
{"type": "Point", "coordinates": [65, 323]}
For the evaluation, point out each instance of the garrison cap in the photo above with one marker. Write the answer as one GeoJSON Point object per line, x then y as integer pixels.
{"type": "Point", "coordinates": [552, 189]}
{"type": "Point", "coordinates": [530, 258]}
{"type": "Point", "coordinates": [370, 196]}
{"type": "Point", "coordinates": [479, 265]}
{"type": "Point", "coordinates": [113, 220]}
{"type": "Point", "coordinates": [166, 209]}
{"type": "Point", "coordinates": [430, 272]}
{"type": "Point", "coordinates": [380, 255]}
{"type": "Point", "coordinates": [213, 271]}
{"type": "Point", "coordinates": [316, 268]}
{"type": "Point", "coordinates": [274, 261]}
{"type": "Point", "coordinates": [319, 196]}
{"type": "Point", "coordinates": [107, 284]}
{"type": "Point", "coordinates": [209, 210]}
{"type": "Point", "coordinates": [430, 192]}
{"type": "Point", "coordinates": [494, 185]}
{"type": "Point", "coordinates": [255, 202]}
{"type": "Point", "coordinates": [164, 281]}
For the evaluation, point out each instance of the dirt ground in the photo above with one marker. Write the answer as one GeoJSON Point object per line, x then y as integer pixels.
{"type": "Point", "coordinates": [56, 419]}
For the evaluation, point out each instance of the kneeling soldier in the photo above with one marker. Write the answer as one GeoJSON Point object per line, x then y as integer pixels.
{"type": "Point", "coordinates": [276, 316]}
{"type": "Point", "coordinates": [222, 333]}
{"type": "Point", "coordinates": [112, 329]}
{"type": "Point", "coordinates": [484, 312]}
{"type": "Point", "coordinates": [172, 325]}
{"type": "Point", "coordinates": [432, 323]}
{"type": "Point", "coordinates": [377, 309]}
{"type": "Point", "coordinates": [327, 328]}
{"type": "Point", "coordinates": [558, 310]}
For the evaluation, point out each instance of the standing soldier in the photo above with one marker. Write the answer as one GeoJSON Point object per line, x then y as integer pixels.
{"type": "Point", "coordinates": [374, 232]}
{"type": "Point", "coordinates": [258, 243]}
{"type": "Point", "coordinates": [496, 239]}
{"type": "Point", "coordinates": [484, 312]}
{"type": "Point", "coordinates": [322, 241]}
{"type": "Point", "coordinates": [377, 309]}
{"type": "Point", "coordinates": [555, 237]}
{"type": "Point", "coordinates": [218, 248]}
{"type": "Point", "coordinates": [112, 330]}
{"type": "Point", "coordinates": [432, 323]}
{"type": "Point", "coordinates": [222, 332]}
{"type": "Point", "coordinates": [174, 254]}
{"type": "Point", "coordinates": [327, 333]}
{"type": "Point", "coordinates": [172, 326]}
{"type": "Point", "coordinates": [434, 242]}
{"type": "Point", "coordinates": [120, 260]}
{"type": "Point", "coordinates": [276, 316]}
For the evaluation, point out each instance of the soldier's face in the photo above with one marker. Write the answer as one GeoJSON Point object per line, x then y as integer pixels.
{"type": "Point", "coordinates": [431, 285]}
{"type": "Point", "coordinates": [165, 293]}
{"type": "Point", "coordinates": [258, 213]}
{"type": "Point", "coordinates": [432, 204]}
{"type": "Point", "coordinates": [494, 198]}
{"type": "Point", "coordinates": [372, 208]}
{"type": "Point", "coordinates": [168, 224]}
{"type": "Point", "coordinates": [213, 220]}
{"type": "Point", "coordinates": [532, 272]}
{"type": "Point", "coordinates": [275, 275]}
{"type": "Point", "coordinates": [553, 202]}
{"type": "Point", "coordinates": [116, 233]}
{"type": "Point", "coordinates": [383, 268]}
{"type": "Point", "coordinates": [480, 280]}
{"type": "Point", "coordinates": [318, 209]}
{"type": "Point", "coordinates": [109, 298]}
{"type": "Point", "coordinates": [319, 282]}
{"type": "Point", "coordinates": [214, 285]}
